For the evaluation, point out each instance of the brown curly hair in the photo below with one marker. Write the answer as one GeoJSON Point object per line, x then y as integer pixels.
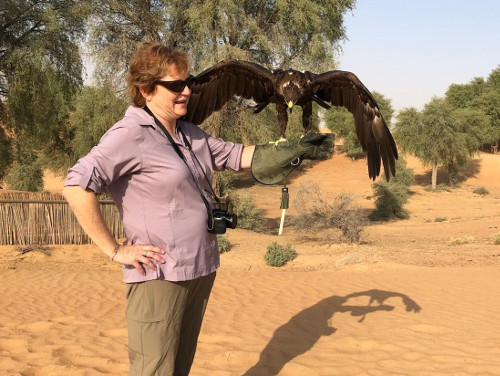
{"type": "Point", "coordinates": [151, 62]}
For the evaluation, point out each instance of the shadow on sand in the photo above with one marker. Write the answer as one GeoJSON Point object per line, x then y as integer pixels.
{"type": "Point", "coordinates": [471, 171]}
{"type": "Point", "coordinates": [300, 334]}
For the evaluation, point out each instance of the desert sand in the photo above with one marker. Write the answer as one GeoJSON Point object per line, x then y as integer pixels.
{"type": "Point", "coordinates": [408, 300]}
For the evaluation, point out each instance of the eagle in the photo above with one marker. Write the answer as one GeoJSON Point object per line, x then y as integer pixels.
{"type": "Point", "coordinates": [215, 86]}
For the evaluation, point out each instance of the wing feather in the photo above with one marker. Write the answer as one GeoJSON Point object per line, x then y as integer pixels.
{"type": "Point", "coordinates": [215, 86]}
{"type": "Point", "coordinates": [344, 89]}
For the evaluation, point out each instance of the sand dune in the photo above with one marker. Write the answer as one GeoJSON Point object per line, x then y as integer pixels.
{"type": "Point", "coordinates": [406, 301]}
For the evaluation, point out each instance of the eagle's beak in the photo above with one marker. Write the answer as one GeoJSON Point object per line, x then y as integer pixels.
{"type": "Point", "coordinates": [290, 106]}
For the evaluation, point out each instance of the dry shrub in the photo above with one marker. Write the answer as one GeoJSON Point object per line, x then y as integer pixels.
{"type": "Point", "coordinates": [249, 216]}
{"type": "Point", "coordinates": [481, 191]}
{"type": "Point", "coordinates": [460, 241]}
{"type": "Point", "coordinates": [318, 211]}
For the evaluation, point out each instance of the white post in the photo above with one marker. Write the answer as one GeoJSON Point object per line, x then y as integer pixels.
{"type": "Point", "coordinates": [280, 232]}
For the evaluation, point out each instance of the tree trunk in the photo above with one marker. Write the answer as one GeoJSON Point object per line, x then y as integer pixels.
{"type": "Point", "coordinates": [452, 174]}
{"type": "Point", "coordinates": [434, 175]}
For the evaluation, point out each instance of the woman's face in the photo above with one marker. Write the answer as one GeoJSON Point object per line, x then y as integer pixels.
{"type": "Point", "coordinates": [167, 103]}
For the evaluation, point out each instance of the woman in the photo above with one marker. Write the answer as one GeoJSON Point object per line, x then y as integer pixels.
{"type": "Point", "coordinates": [169, 258]}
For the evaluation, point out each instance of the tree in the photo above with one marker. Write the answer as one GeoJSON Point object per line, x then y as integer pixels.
{"type": "Point", "coordinates": [40, 68]}
{"type": "Point", "coordinates": [465, 95]}
{"type": "Point", "coordinates": [303, 33]}
{"type": "Point", "coordinates": [481, 95]}
{"type": "Point", "coordinates": [341, 122]}
{"type": "Point", "coordinates": [96, 109]}
{"type": "Point", "coordinates": [52, 26]}
{"type": "Point", "coordinates": [489, 102]}
{"type": "Point", "coordinates": [442, 135]}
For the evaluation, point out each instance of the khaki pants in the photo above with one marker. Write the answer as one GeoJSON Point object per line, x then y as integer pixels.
{"type": "Point", "coordinates": [164, 321]}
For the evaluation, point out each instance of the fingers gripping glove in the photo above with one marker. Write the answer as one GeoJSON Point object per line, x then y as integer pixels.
{"type": "Point", "coordinates": [272, 163]}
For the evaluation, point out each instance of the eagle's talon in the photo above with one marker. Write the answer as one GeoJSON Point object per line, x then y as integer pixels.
{"type": "Point", "coordinates": [282, 139]}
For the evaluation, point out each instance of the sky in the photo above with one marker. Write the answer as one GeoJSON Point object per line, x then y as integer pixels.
{"type": "Point", "coordinates": [412, 50]}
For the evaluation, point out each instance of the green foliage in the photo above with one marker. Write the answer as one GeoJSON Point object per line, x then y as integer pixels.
{"type": "Point", "coordinates": [5, 152]}
{"type": "Point", "coordinates": [481, 191]}
{"type": "Point", "coordinates": [49, 30]}
{"type": "Point", "coordinates": [39, 99]}
{"type": "Point", "coordinates": [278, 255]}
{"type": "Point", "coordinates": [496, 239]}
{"type": "Point", "coordinates": [274, 33]}
{"type": "Point", "coordinates": [389, 202]}
{"type": "Point", "coordinates": [404, 175]}
{"type": "Point", "coordinates": [223, 243]}
{"type": "Point", "coordinates": [316, 211]}
{"type": "Point", "coordinates": [440, 219]}
{"type": "Point", "coordinates": [249, 217]}
{"type": "Point", "coordinates": [40, 69]}
{"type": "Point", "coordinates": [25, 176]}
{"type": "Point", "coordinates": [450, 131]}
{"type": "Point", "coordinates": [96, 110]}
{"type": "Point", "coordinates": [391, 196]}
{"type": "Point", "coordinates": [465, 95]}
{"type": "Point", "coordinates": [441, 134]}
{"type": "Point", "coordinates": [484, 98]}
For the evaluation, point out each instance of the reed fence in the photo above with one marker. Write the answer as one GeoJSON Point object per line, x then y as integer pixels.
{"type": "Point", "coordinates": [39, 218]}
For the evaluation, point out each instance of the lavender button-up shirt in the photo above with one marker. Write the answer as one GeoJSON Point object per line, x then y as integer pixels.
{"type": "Point", "coordinates": [156, 195]}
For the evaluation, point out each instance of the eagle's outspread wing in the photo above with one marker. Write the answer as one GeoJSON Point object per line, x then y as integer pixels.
{"type": "Point", "coordinates": [215, 86]}
{"type": "Point", "coordinates": [345, 89]}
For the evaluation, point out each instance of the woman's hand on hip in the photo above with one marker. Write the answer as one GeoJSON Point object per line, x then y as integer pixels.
{"type": "Point", "coordinates": [138, 256]}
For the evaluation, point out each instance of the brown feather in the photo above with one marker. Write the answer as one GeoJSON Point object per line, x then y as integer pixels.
{"type": "Point", "coordinates": [215, 86]}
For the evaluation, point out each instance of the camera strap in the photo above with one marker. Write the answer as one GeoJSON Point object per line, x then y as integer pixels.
{"type": "Point", "coordinates": [181, 156]}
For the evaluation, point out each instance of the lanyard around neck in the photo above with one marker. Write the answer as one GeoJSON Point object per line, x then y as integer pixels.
{"type": "Point", "coordinates": [181, 156]}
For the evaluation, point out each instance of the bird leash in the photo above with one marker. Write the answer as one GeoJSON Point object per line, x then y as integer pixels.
{"type": "Point", "coordinates": [283, 206]}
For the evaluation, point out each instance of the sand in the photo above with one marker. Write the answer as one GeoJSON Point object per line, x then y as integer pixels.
{"type": "Point", "coordinates": [408, 300]}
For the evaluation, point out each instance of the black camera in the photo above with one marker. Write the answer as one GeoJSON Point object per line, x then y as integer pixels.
{"type": "Point", "coordinates": [219, 220]}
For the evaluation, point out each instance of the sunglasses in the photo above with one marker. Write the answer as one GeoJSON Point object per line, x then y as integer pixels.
{"type": "Point", "coordinates": [176, 86]}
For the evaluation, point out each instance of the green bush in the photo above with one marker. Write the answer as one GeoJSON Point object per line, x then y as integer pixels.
{"type": "Point", "coordinates": [278, 255]}
{"type": "Point", "coordinates": [404, 175]}
{"type": "Point", "coordinates": [249, 216]}
{"type": "Point", "coordinates": [440, 219]}
{"type": "Point", "coordinates": [496, 239]}
{"type": "Point", "coordinates": [25, 177]}
{"type": "Point", "coordinates": [223, 243]}
{"type": "Point", "coordinates": [481, 191]}
{"type": "Point", "coordinates": [390, 198]}
{"type": "Point", "coordinates": [393, 194]}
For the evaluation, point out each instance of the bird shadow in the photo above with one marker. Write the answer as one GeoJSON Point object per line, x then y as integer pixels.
{"type": "Point", "coordinates": [301, 332]}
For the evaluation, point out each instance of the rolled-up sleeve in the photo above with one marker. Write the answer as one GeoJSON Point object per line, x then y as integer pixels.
{"type": "Point", "coordinates": [226, 155]}
{"type": "Point", "coordinates": [116, 155]}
